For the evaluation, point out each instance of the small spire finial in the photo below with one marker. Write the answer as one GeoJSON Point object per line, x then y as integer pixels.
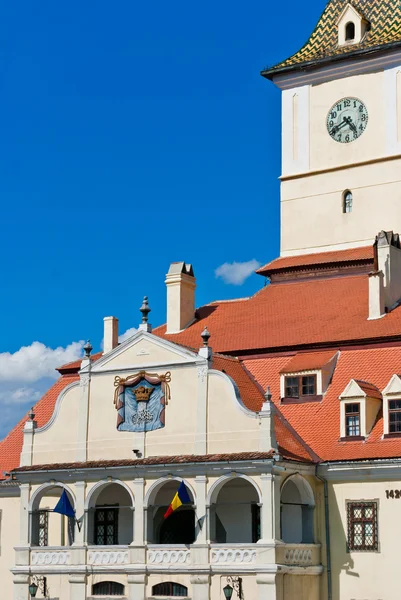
{"type": "Point", "coordinates": [205, 335]}
{"type": "Point", "coordinates": [31, 414]}
{"type": "Point", "coordinates": [88, 349]}
{"type": "Point", "coordinates": [145, 310]}
{"type": "Point", "coordinates": [268, 394]}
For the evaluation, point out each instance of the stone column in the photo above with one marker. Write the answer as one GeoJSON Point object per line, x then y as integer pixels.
{"type": "Point", "coordinates": [200, 446]}
{"type": "Point", "coordinates": [200, 587]}
{"type": "Point", "coordinates": [21, 587]}
{"type": "Point", "coordinates": [80, 487]}
{"type": "Point", "coordinates": [136, 587]}
{"type": "Point", "coordinates": [82, 450]}
{"type": "Point", "coordinates": [201, 493]}
{"type": "Point", "coordinates": [138, 550]}
{"type": "Point", "coordinates": [270, 509]}
{"type": "Point", "coordinates": [25, 491]}
{"type": "Point", "coordinates": [266, 586]}
{"type": "Point", "coordinates": [77, 587]}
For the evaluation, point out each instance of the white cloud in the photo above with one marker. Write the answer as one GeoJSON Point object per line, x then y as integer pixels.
{"type": "Point", "coordinates": [129, 333]}
{"type": "Point", "coordinates": [31, 363]}
{"type": "Point", "coordinates": [236, 273]}
{"type": "Point", "coordinates": [22, 395]}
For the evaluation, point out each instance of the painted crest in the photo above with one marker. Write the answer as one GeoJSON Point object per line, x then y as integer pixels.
{"type": "Point", "coordinates": [141, 401]}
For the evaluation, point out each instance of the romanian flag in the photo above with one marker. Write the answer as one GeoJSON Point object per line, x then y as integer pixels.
{"type": "Point", "coordinates": [181, 497]}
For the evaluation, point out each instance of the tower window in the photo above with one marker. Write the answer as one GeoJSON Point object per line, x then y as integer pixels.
{"type": "Point", "coordinates": [350, 32]}
{"type": "Point", "coordinates": [347, 202]}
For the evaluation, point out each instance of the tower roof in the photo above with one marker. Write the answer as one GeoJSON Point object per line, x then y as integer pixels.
{"type": "Point", "coordinates": [384, 17]}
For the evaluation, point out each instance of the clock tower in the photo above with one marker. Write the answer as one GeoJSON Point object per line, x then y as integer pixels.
{"type": "Point", "coordinates": [341, 129]}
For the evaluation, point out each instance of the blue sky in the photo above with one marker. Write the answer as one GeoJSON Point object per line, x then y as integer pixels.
{"type": "Point", "coordinates": [131, 135]}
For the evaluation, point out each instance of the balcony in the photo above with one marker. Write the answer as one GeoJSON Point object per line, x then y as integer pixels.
{"type": "Point", "coordinates": [299, 555]}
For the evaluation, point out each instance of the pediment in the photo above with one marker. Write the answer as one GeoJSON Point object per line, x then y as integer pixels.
{"type": "Point", "coordinates": [393, 386]}
{"type": "Point", "coordinates": [349, 13]}
{"type": "Point", "coordinates": [353, 390]}
{"type": "Point", "coordinates": [144, 350]}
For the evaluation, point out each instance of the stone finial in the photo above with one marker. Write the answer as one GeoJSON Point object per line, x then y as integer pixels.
{"type": "Point", "coordinates": [205, 335]}
{"type": "Point", "coordinates": [88, 349]}
{"type": "Point", "coordinates": [145, 310]}
{"type": "Point", "coordinates": [268, 395]}
{"type": "Point", "coordinates": [31, 414]}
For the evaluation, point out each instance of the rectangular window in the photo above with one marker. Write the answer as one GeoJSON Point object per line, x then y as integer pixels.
{"type": "Point", "coordinates": [43, 518]}
{"type": "Point", "coordinates": [362, 526]}
{"type": "Point", "coordinates": [296, 387]}
{"type": "Point", "coordinates": [352, 420]}
{"type": "Point", "coordinates": [394, 416]}
{"type": "Point", "coordinates": [106, 526]}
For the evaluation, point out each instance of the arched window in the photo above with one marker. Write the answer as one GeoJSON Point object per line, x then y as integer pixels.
{"type": "Point", "coordinates": [350, 32]}
{"type": "Point", "coordinates": [347, 202]}
{"type": "Point", "coordinates": [169, 588]}
{"type": "Point", "coordinates": [108, 588]}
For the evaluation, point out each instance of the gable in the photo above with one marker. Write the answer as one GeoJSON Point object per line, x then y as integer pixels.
{"type": "Point", "coordinates": [143, 350]}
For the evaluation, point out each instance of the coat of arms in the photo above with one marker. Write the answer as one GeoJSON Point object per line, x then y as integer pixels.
{"type": "Point", "coordinates": [140, 401]}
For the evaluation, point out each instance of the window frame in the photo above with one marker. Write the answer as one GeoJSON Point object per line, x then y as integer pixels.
{"type": "Point", "coordinates": [43, 527]}
{"type": "Point", "coordinates": [348, 205]}
{"type": "Point", "coordinates": [97, 523]}
{"type": "Point", "coordinates": [347, 28]}
{"type": "Point", "coordinates": [301, 397]}
{"type": "Point", "coordinates": [393, 411]}
{"type": "Point", "coordinates": [352, 520]}
{"type": "Point", "coordinates": [350, 415]}
{"type": "Point", "coordinates": [169, 591]}
{"type": "Point", "coordinates": [109, 592]}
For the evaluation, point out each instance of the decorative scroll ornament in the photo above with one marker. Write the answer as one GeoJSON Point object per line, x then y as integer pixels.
{"type": "Point", "coordinates": [140, 401]}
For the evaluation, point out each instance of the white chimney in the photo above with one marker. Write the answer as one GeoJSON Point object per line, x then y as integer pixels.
{"type": "Point", "coordinates": [388, 259]}
{"type": "Point", "coordinates": [181, 284]}
{"type": "Point", "coordinates": [110, 336]}
{"type": "Point", "coordinates": [376, 296]}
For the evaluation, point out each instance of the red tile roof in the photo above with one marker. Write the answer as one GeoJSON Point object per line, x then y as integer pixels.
{"type": "Point", "coordinates": [305, 361]}
{"type": "Point", "coordinates": [287, 315]}
{"type": "Point", "coordinates": [369, 389]}
{"type": "Point", "coordinates": [305, 261]}
{"type": "Point", "coordinates": [318, 423]}
{"type": "Point", "coordinates": [11, 445]}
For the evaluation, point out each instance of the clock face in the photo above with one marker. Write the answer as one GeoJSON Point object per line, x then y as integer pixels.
{"type": "Point", "coordinates": [347, 120]}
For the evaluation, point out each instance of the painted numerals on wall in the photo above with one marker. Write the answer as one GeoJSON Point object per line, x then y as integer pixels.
{"type": "Point", "coordinates": [393, 494]}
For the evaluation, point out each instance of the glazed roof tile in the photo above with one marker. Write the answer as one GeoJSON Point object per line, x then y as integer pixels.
{"type": "Point", "coordinates": [299, 313]}
{"type": "Point", "coordinates": [384, 17]}
{"type": "Point", "coordinates": [364, 254]}
{"type": "Point", "coordinates": [318, 423]}
{"type": "Point", "coordinates": [306, 361]}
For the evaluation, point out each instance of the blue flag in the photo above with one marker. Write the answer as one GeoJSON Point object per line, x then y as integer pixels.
{"type": "Point", "coordinates": [63, 506]}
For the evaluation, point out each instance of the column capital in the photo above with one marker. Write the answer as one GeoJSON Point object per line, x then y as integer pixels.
{"type": "Point", "coordinates": [201, 479]}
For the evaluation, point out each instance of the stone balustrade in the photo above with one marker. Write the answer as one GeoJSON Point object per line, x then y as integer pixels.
{"type": "Point", "coordinates": [222, 554]}
{"type": "Point", "coordinates": [302, 555]}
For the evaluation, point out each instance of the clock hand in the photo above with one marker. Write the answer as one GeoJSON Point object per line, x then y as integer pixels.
{"type": "Point", "coordinates": [338, 127]}
{"type": "Point", "coordinates": [354, 129]}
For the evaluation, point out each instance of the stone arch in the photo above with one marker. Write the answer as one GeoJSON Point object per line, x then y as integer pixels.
{"type": "Point", "coordinates": [109, 510]}
{"type": "Point", "coordinates": [297, 510]}
{"type": "Point", "coordinates": [100, 485]}
{"type": "Point", "coordinates": [47, 528]}
{"type": "Point", "coordinates": [180, 526]}
{"type": "Point", "coordinates": [216, 487]}
{"type": "Point", "coordinates": [38, 494]}
{"type": "Point", "coordinates": [154, 488]}
{"type": "Point", "coordinates": [234, 509]}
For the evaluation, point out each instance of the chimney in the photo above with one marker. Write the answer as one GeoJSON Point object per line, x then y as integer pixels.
{"type": "Point", "coordinates": [376, 296]}
{"type": "Point", "coordinates": [388, 257]}
{"type": "Point", "coordinates": [110, 336]}
{"type": "Point", "coordinates": [181, 284]}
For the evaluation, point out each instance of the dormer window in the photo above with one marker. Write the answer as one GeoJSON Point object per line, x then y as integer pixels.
{"type": "Point", "coordinates": [353, 420]}
{"type": "Point", "coordinates": [392, 407]}
{"type": "Point", "coordinates": [306, 377]}
{"type": "Point", "coordinates": [350, 32]}
{"type": "Point", "coordinates": [360, 403]}
{"type": "Point", "coordinates": [352, 26]}
{"type": "Point", "coordinates": [303, 385]}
